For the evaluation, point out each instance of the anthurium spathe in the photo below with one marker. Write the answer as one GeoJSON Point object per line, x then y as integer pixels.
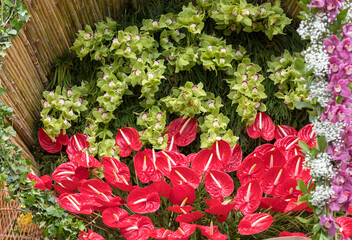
{"type": "Point", "coordinates": [77, 203]}
{"type": "Point", "coordinates": [183, 232]}
{"type": "Point", "coordinates": [76, 144]}
{"type": "Point", "coordinates": [248, 197]}
{"type": "Point", "coordinates": [48, 144]}
{"type": "Point", "coordinates": [138, 227]}
{"type": "Point", "coordinates": [145, 166]}
{"type": "Point", "coordinates": [252, 168]}
{"type": "Point", "coordinates": [70, 171]}
{"type": "Point", "coordinates": [182, 131]}
{"type": "Point", "coordinates": [254, 223]}
{"type": "Point", "coordinates": [183, 175]}
{"type": "Point", "coordinates": [117, 174]}
{"type": "Point", "coordinates": [182, 193]}
{"type": "Point", "coordinates": [221, 209]}
{"type": "Point", "coordinates": [143, 200]}
{"type": "Point", "coordinates": [274, 204]}
{"type": "Point", "coordinates": [212, 232]}
{"type": "Point", "coordinates": [86, 160]}
{"type": "Point", "coordinates": [204, 161]}
{"type": "Point", "coordinates": [345, 224]}
{"type": "Point", "coordinates": [166, 160]}
{"type": "Point", "coordinates": [282, 131]}
{"type": "Point", "coordinates": [42, 183]}
{"type": "Point", "coordinates": [273, 158]}
{"type": "Point", "coordinates": [127, 139]}
{"type": "Point", "coordinates": [235, 160]}
{"type": "Point", "coordinates": [223, 151]}
{"type": "Point", "coordinates": [90, 236]}
{"type": "Point", "coordinates": [284, 144]}
{"type": "Point", "coordinates": [112, 217]}
{"type": "Point", "coordinates": [263, 126]}
{"type": "Point", "coordinates": [288, 234]}
{"type": "Point", "coordinates": [307, 135]}
{"type": "Point", "coordinates": [189, 217]}
{"type": "Point", "coordinates": [161, 234]}
{"type": "Point", "coordinates": [272, 179]}
{"type": "Point", "coordinates": [180, 209]}
{"type": "Point", "coordinates": [218, 184]}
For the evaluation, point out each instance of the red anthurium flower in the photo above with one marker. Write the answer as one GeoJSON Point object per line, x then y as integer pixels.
{"type": "Point", "coordinates": [67, 186]}
{"type": "Point", "coordinates": [171, 145]}
{"type": "Point", "coordinates": [235, 160]}
{"type": "Point", "coordinates": [272, 179]}
{"type": "Point", "coordinates": [221, 209]}
{"type": "Point", "coordinates": [143, 200]}
{"type": "Point", "coordinates": [117, 174]}
{"type": "Point", "coordinates": [48, 144]}
{"type": "Point", "coordinates": [295, 169]}
{"type": "Point", "coordinates": [212, 232]}
{"type": "Point", "coordinates": [251, 169]}
{"type": "Point", "coordinates": [190, 157]}
{"type": "Point", "coordinates": [183, 175]}
{"type": "Point", "coordinates": [90, 236]}
{"type": "Point", "coordinates": [165, 160]}
{"type": "Point", "coordinates": [284, 144]}
{"type": "Point", "coordinates": [42, 183]}
{"type": "Point", "coordinates": [127, 139]}
{"type": "Point", "coordinates": [263, 126]}
{"type": "Point", "coordinates": [287, 189]}
{"type": "Point", "coordinates": [287, 234]}
{"type": "Point", "coordinates": [254, 223]}
{"type": "Point", "coordinates": [293, 204]}
{"type": "Point", "coordinates": [180, 209]}
{"type": "Point", "coordinates": [189, 217]}
{"type": "Point", "coordinates": [76, 144]}
{"type": "Point", "coordinates": [109, 201]}
{"type": "Point", "coordinates": [205, 161]}
{"type": "Point", "coordinates": [86, 160]}
{"type": "Point", "coordinates": [182, 193]}
{"type": "Point", "coordinates": [294, 151]}
{"type": "Point", "coordinates": [145, 166]}
{"type": "Point", "coordinates": [223, 151]}
{"type": "Point", "coordinates": [345, 224]}
{"type": "Point", "coordinates": [70, 171]}
{"type": "Point", "coordinates": [218, 184]}
{"type": "Point", "coordinates": [274, 204]}
{"type": "Point", "coordinates": [183, 130]}
{"type": "Point", "coordinates": [183, 232]}
{"type": "Point", "coordinates": [77, 203]}
{"type": "Point", "coordinates": [273, 158]}
{"type": "Point", "coordinates": [282, 131]}
{"type": "Point", "coordinates": [307, 135]}
{"type": "Point", "coordinates": [162, 187]}
{"type": "Point", "coordinates": [161, 234]}
{"type": "Point", "coordinates": [248, 197]}
{"type": "Point", "coordinates": [264, 148]}
{"type": "Point", "coordinates": [139, 227]}
{"type": "Point", "coordinates": [112, 217]}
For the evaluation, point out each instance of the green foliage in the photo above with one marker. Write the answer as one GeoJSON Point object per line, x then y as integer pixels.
{"type": "Point", "coordinates": [12, 16]}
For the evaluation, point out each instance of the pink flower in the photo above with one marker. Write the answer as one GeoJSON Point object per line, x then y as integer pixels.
{"type": "Point", "coordinates": [317, 3]}
{"type": "Point", "coordinates": [345, 49]}
{"type": "Point", "coordinates": [330, 45]}
{"type": "Point", "coordinates": [347, 31]}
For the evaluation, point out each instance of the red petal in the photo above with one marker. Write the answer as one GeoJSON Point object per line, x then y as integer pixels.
{"type": "Point", "coordinates": [282, 131]}
{"type": "Point", "coordinates": [272, 179]}
{"type": "Point", "coordinates": [294, 151]}
{"type": "Point", "coordinates": [287, 234]}
{"type": "Point", "coordinates": [183, 175]}
{"type": "Point", "coordinates": [222, 150]}
{"type": "Point", "coordinates": [214, 235]}
{"type": "Point", "coordinates": [287, 189]}
{"type": "Point", "coordinates": [284, 144]}
{"type": "Point", "coordinates": [165, 160]}
{"type": "Point", "coordinates": [254, 223]}
{"type": "Point", "coordinates": [274, 204]}
{"type": "Point", "coordinates": [218, 184]}
{"type": "Point", "coordinates": [205, 161]}
{"type": "Point", "coordinates": [263, 126]}
{"type": "Point", "coordinates": [140, 228]}
{"type": "Point", "coordinates": [183, 232]}
{"type": "Point", "coordinates": [179, 209]}
{"type": "Point", "coordinates": [161, 234]}
{"type": "Point", "coordinates": [346, 224]}
{"type": "Point", "coordinates": [307, 135]}
{"type": "Point", "coordinates": [189, 217]}
{"type": "Point", "coordinates": [145, 167]}
{"type": "Point", "coordinates": [144, 200]}
{"type": "Point", "coordinates": [94, 187]}
{"type": "Point", "coordinates": [69, 171]}
{"type": "Point", "coordinates": [190, 157]}
{"type": "Point", "coordinates": [184, 130]}
{"type": "Point", "coordinates": [47, 144]}
{"type": "Point", "coordinates": [86, 160]}
{"type": "Point", "coordinates": [117, 174]}
{"type": "Point", "coordinates": [90, 236]}
{"type": "Point", "coordinates": [248, 197]}
{"type": "Point", "coordinates": [162, 187]}
{"type": "Point", "coordinates": [62, 138]}
{"type": "Point", "coordinates": [181, 192]}
{"type": "Point", "coordinates": [109, 201]}
{"type": "Point", "coordinates": [76, 144]}
{"type": "Point", "coordinates": [217, 208]}
{"type": "Point", "coordinates": [127, 139]}
{"type": "Point", "coordinates": [112, 216]}
{"type": "Point", "coordinates": [251, 169]}
{"type": "Point", "coordinates": [264, 148]}
{"type": "Point", "coordinates": [47, 181]}
{"type": "Point", "coordinates": [77, 203]}
{"type": "Point", "coordinates": [273, 158]}
{"type": "Point", "coordinates": [39, 183]}
{"type": "Point", "coordinates": [235, 160]}
{"type": "Point", "coordinates": [294, 167]}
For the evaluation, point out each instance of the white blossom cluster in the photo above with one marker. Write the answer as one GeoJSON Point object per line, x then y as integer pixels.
{"type": "Point", "coordinates": [331, 131]}
{"type": "Point", "coordinates": [321, 195]}
{"type": "Point", "coordinates": [321, 166]}
{"type": "Point", "coordinates": [318, 90]}
{"type": "Point", "coordinates": [317, 58]}
{"type": "Point", "coordinates": [314, 27]}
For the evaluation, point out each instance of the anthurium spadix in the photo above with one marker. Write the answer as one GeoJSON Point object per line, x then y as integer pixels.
{"type": "Point", "coordinates": [218, 184]}
{"type": "Point", "coordinates": [48, 144]}
{"type": "Point", "coordinates": [184, 231]}
{"type": "Point", "coordinates": [248, 197]}
{"type": "Point", "coordinates": [286, 143]}
{"type": "Point", "coordinates": [86, 160]}
{"type": "Point", "coordinates": [112, 217]}
{"type": "Point", "coordinates": [166, 160]}
{"type": "Point", "coordinates": [77, 203]}
{"type": "Point", "coordinates": [272, 179]}
{"type": "Point", "coordinates": [182, 131]}
{"type": "Point", "coordinates": [76, 144]}
{"type": "Point", "coordinates": [96, 187]}
{"type": "Point", "coordinates": [254, 223]}
{"type": "Point", "coordinates": [183, 175]}
{"type": "Point", "coordinates": [127, 139]}
{"type": "Point", "coordinates": [116, 173]}
{"type": "Point", "coordinates": [263, 126]}
{"type": "Point", "coordinates": [143, 200]}
{"type": "Point", "coordinates": [273, 158]}
{"type": "Point", "coordinates": [146, 168]}
{"type": "Point", "coordinates": [223, 151]}
{"type": "Point", "coordinates": [204, 161]}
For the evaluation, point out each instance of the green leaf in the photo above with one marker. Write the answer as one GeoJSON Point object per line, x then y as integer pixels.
{"type": "Point", "coordinates": [304, 220]}
{"type": "Point", "coordinates": [322, 143]}
{"type": "Point", "coordinates": [304, 146]}
{"type": "Point", "coordinates": [2, 91]}
{"type": "Point", "coordinates": [301, 186]}
{"type": "Point", "coordinates": [303, 104]}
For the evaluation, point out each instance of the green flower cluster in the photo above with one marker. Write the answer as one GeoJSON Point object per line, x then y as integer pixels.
{"type": "Point", "coordinates": [287, 75]}
{"type": "Point", "coordinates": [236, 15]}
{"type": "Point", "coordinates": [61, 107]}
{"type": "Point", "coordinates": [247, 90]}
